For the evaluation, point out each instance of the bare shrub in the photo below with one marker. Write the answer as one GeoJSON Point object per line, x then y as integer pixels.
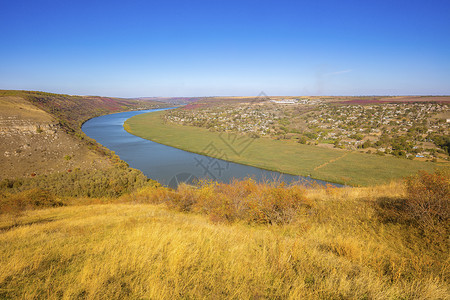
{"type": "Point", "coordinates": [245, 200]}
{"type": "Point", "coordinates": [31, 199]}
{"type": "Point", "coordinates": [183, 198]}
{"type": "Point", "coordinates": [393, 210]}
{"type": "Point", "coordinates": [428, 198]}
{"type": "Point", "coordinates": [425, 206]}
{"type": "Point", "coordinates": [275, 204]}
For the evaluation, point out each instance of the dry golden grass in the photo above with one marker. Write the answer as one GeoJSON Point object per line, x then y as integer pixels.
{"type": "Point", "coordinates": [338, 250]}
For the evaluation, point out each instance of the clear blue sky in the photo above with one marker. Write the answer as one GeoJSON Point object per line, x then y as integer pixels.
{"type": "Point", "coordinates": [217, 47]}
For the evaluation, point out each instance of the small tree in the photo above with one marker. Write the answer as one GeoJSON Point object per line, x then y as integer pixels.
{"type": "Point", "coordinates": [302, 140]}
{"type": "Point", "coordinates": [366, 144]}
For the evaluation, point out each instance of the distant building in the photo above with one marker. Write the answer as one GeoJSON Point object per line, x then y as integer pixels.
{"type": "Point", "coordinates": [285, 101]}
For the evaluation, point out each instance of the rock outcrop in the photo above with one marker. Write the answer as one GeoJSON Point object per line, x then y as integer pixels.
{"type": "Point", "coordinates": [32, 142]}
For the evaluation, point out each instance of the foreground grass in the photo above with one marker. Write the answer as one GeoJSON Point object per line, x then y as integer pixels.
{"type": "Point", "coordinates": [285, 156]}
{"type": "Point", "coordinates": [339, 249]}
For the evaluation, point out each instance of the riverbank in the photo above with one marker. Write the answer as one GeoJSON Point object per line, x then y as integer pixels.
{"type": "Point", "coordinates": [169, 165]}
{"type": "Point", "coordinates": [332, 165]}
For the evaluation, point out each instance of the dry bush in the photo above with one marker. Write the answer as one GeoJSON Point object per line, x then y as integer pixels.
{"type": "Point", "coordinates": [215, 200]}
{"type": "Point", "coordinates": [30, 199]}
{"type": "Point", "coordinates": [155, 194]}
{"type": "Point", "coordinates": [428, 198]}
{"type": "Point", "coordinates": [425, 205]}
{"type": "Point", "coordinates": [275, 204]}
{"type": "Point", "coordinates": [242, 200]}
{"type": "Point", "coordinates": [392, 210]}
{"type": "Point", "coordinates": [183, 199]}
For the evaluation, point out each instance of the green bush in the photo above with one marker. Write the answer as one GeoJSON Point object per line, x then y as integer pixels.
{"type": "Point", "coordinates": [112, 182]}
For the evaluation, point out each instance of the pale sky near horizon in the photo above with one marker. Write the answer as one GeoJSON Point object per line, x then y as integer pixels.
{"type": "Point", "coordinates": [216, 48]}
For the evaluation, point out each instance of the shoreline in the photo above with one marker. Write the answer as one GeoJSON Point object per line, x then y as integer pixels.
{"type": "Point", "coordinates": [355, 169]}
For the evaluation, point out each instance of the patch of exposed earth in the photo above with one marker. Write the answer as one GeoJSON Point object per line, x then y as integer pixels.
{"type": "Point", "coordinates": [33, 143]}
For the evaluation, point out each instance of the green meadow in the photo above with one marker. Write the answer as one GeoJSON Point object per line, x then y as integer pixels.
{"type": "Point", "coordinates": [333, 165]}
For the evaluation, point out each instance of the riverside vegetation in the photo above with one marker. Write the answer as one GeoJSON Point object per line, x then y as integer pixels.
{"type": "Point", "coordinates": [242, 240]}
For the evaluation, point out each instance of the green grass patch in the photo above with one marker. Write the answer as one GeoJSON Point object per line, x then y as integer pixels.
{"type": "Point", "coordinates": [355, 169]}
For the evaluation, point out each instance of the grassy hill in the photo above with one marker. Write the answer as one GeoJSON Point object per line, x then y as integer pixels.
{"type": "Point", "coordinates": [351, 243]}
{"type": "Point", "coordinates": [331, 165]}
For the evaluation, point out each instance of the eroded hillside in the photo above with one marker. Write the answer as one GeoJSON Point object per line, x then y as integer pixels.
{"type": "Point", "coordinates": [40, 133]}
{"type": "Point", "coordinates": [33, 142]}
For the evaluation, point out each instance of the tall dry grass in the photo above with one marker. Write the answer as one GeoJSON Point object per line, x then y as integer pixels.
{"type": "Point", "coordinates": [336, 246]}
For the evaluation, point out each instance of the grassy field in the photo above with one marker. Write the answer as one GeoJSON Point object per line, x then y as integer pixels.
{"type": "Point", "coordinates": [339, 250]}
{"type": "Point", "coordinates": [332, 165]}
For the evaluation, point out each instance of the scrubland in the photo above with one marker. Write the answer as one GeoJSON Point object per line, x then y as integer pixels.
{"type": "Point", "coordinates": [238, 241]}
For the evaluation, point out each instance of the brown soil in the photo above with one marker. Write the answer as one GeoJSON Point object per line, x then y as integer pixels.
{"type": "Point", "coordinates": [32, 143]}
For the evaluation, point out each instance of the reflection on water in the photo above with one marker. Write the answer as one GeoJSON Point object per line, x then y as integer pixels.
{"type": "Point", "coordinates": [169, 165]}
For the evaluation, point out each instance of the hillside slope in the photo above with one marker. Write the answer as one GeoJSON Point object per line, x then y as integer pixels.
{"type": "Point", "coordinates": [348, 244]}
{"type": "Point", "coordinates": [33, 143]}
{"type": "Point", "coordinates": [40, 133]}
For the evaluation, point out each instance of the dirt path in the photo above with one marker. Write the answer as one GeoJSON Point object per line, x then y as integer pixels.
{"type": "Point", "coordinates": [331, 161]}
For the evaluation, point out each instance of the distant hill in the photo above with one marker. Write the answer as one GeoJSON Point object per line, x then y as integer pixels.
{"type": "Point", "coordinates": [170, 100]}
{"type": "Point", "coordinates": [77, 109]}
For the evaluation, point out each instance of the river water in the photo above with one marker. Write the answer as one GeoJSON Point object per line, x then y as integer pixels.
{"type": "Point", "coordinates": [169, 165]}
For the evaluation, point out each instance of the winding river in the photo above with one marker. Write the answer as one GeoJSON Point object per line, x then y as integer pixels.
{"type": "Point", "coordinates": [169, 165]}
